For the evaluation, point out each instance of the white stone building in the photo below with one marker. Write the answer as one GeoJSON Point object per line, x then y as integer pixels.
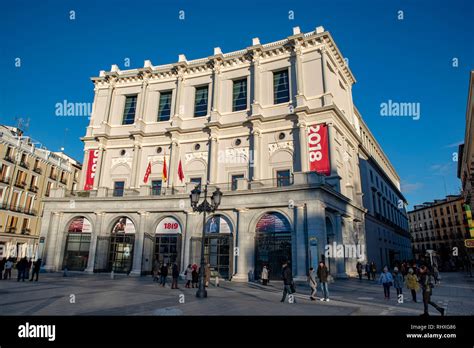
{"type": "Point", "coordinates": [242, 121]}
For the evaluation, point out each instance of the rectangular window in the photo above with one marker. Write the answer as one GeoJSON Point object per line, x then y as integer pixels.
{"type": "Point", "coordinates": [239, 95]}
{"type": "Point", "coordinates": [196, 181]}
{"type": "Point", "coordinates": [235, 179]}
{"type": "Point", "coordinates": [455, 208]}
{"type": "Point", "coordinates": [48, 189]}
{"type": "Point", "coordinates": [448, 211]}
{"type": "Point", "coordinates": [200, 101]}
{"type": "Point", "coordinates": [164, 108]}
{"type": "Point", "coordinates": [156, 187]}
{"type": "Point", "coordinates": [283, 178]}
{"type": "Point", "coordinates": [281, 87]}
{"type": "Point", "coordinates": [118, 188]}
{"type": "Point", "coordinates": [129, 109]}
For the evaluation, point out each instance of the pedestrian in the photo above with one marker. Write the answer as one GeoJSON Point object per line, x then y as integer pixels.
{"type": "Point", "coordinates": [386, 279]}
{"type": "Point", "coordinates": [2, 267]}
{"type": "Point", "coordinates": [373, 270]}
{"type": "Point", "coordinates": [195, 276]}
{"type": "Point", "coordinates": [288, 284]}
{"type": "Point", "coordinates": [427, 290]}
{"type": "Point", "coordinates": [264, 275]}
{"type": "Point", "coordinates": [175, 275]}
{"type": "Point", "coordinates": [156, 270]}
{"type": "Point", "coordinates": [398, 282]}
{"type": "Point", "coordinates": [163, 274]}
{"type": "Point", "coordinates": [436, 274]}
{"type": "Point", "coordinates": [367, 270]}
{"type": "Point", "coordinates": [28, 268]}
{"type": "Point", "coordinates": [21, 269]}
{"type": "Point", "coordinates": [189, 276]}
{"type": "Point", "coordinates": [207, 274]}
{"type": "Point", "coordinates": [312, 283]}
{"type": "Point", "coordinates": [323, 274]}
{"type": "Point", "coordinates": [8, 269]}
{"type": "Point", "coordinates": [359, 269]}
{"type": "Point", "coordinates": [35, 270]}
{"type": "Point", "coordinates": [412, 283]}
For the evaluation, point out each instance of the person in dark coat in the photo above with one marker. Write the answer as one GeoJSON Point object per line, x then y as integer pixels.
{"type": "Point", "coordinates": [175, 275]}
{"type": "Point", "coordinates": [323, 274]}
{"type": "Point", "coordinates": [21, 268]}
{"type": "Point", "coordinates": [359, 270]}
{"type": "Point", "coordinates": [163, 274]}
{"type": "Point", "coordinates": [2, 267]}
{"type": "Point", "coordinates": [427, 290]}
{"type": "Point", "coordinates": [36, 270]}
{"type": "Point", "coordinates": [195, 275]}
{"type": "Point", "coordinates": [288, 284]}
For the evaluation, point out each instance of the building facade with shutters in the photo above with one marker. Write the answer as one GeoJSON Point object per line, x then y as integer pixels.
{"type": "Point", "coordinates": [272, 125]}
{"type": "Point", "coordinates": [28, 174]}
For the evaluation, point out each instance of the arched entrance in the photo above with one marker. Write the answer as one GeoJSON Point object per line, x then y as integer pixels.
{"type": "Point", "coordinates": [168, 241]}
{"type": "Point", "coordinates": [217, 246]}
{"type": "Point", "coordinates": [122, 241]}
{"type": "Point", "coordinates": [273, 243]}
{"type": "Point", "coordinates": [78, 242]}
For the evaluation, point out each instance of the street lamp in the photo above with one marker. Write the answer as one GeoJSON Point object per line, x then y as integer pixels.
{"type": "Point", "coordinates": [204, 207]}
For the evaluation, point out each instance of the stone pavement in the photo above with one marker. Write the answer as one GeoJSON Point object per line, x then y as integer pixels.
{"type": "Point", "coordinates": [98, 294]}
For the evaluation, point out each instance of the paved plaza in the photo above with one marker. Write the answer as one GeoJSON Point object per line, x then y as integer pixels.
{"type": "Point", "coordinates": [80, 294]}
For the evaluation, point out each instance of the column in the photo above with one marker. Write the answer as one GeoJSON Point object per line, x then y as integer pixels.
{"type": "Point", "coordinates": [303, 146]}
{"type": "Point", "coordinates": [215, 88]}
{"type": "Point", "coordinates": [325, 75]}
{"type": "Point", "coordinates": [143, 93]}
{"type": "Point", "coordinates": [245, 242]}
{"type": "Point", "coordinates": [256, 83]}
{"type": "Point", "coordinates": [213, 158]}
{"type": "Point", "coordinates": [99, 218]}
{"type": "Point", "coordinates": [58, 252]}
{"type": "Point", "coordinates": [256, 156]}
{"type": "Point", "coordinates": [300, 243]}
{"type": "Point", "coordinates": [109, 100]}
{"type": "Point", "coordinates": [138, 246]}
{"type": "Point", "coordinates": [340, 261]}
{"type": "Point", "coordinates": [136, 169]}
{"type": "Point", "coordinates": [316, 215]}
{"type": "Point", "coordinates": [50, 241]}
{"type": "Point", "coordinates": [179, 87]}
{"type": "Point", "coordinates": [173, 162]}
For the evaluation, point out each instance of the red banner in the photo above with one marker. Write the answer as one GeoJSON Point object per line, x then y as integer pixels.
{"type": "Point", "coordinates": [91, 169]}
{"type": "Point", "coordinates": [318, 149]}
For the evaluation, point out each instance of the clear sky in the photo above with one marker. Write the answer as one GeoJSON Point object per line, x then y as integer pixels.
{"type": "Point", "coordinates": [408, 60]}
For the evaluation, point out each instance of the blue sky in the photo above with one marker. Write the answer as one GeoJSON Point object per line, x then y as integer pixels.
{"type": "Point", "coordinates": [409, 60]}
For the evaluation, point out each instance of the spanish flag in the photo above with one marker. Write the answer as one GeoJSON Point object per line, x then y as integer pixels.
{"type": "Point", "coordinates": [165, 171]}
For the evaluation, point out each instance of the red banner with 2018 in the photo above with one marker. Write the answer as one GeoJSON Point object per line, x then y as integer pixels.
{"type": "Point", "coordinates": [318, 149]}
{"type": "Point", "coordinates": [91, 169]}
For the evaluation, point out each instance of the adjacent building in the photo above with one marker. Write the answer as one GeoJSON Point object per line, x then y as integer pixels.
{"type": "Point", "coordinates": [272, 125]}
{"type": "Point", "coordinates": [440, 225]}
{"type": "Point", "coordinates": [28, 174]}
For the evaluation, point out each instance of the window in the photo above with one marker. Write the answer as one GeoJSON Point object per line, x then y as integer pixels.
{"type": "Point", "coordinates": [196, 181]}
{"type": "Point", "coordinates": [447, 210]}
{"type": "Point", "coordinates": [11, 225]}
{"type": "Point", "coordinates": [200, 101]}
{"type": "Point", "coordinates": [455, 208]}
{"type": "Point", "coordinates": [441, 211]}
{"type": "Point", "coordinates": [118, 188]}
{"type": "Point", "coordinates": [156, 187]}
{"type": "Point", "coordinates": [235, 179]}
{"type": "Point", "coordinates": [164, 108]}
{"type": "Point", "coordinates": [48, 188]}
{"type": "Point", "coordinates": [129, 110]}
{"type": "Point", "coordinates": [239, 95]}
{"type": "Point", "coordinates": [281, 87]}
{"type": "Point", "coordinates": [371, 176]}
{"type": "Point", "coordinates": [283, 178]}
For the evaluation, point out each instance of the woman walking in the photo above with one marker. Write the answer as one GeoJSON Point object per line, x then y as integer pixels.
{"type": "Point", "coordinates": [398, 282]}
{"type": "Point", "coordinates": [189, 276]}
{"type": "Point", "coordinates": [412, 283]}
{"type": "Point", "coordinates": [386, 280]}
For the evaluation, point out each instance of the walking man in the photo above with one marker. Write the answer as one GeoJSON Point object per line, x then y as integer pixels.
{"type": "Point", "coordinates": [312, 283]}
{"type": "Point", "coordinates": [427, 289]}
{"type": "Point", "coordinates": [163, 274]}
{"type": "Point", "coordinates": [359, 269]}
{"type": "Point", "coordinates": [21, 268]}
{"type": "Point", "coordinates": [398, 282]}
{"type": "Point", "coordinates": [323, 274]}
{"type": "Point", "coordinates": [36, 270]}
{"type": "Point", "coordinates": [8, 269]}
{"type": "Point", "coordinates": [386, 279]}
{"type": "Point", "coordinates": [288, 285]}
{"type": "Point", "coordinates": [175, 275]}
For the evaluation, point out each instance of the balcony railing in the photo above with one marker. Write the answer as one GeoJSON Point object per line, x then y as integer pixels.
{"type": "Point", "coordinates": [26, 231]}
{"type": "Point", "coordinates": [24, 165]}
{"type": "Point", "coordinates": [21, 184]}
{"type": "Point", "coordinates": [63, 181]}
{"type": "Point", "coordinates": [33, 188]}
{"type": "Point", "coordinates": [53, 176]}
{"type": "Point", "coordinates": [38, 170]}
{"type": "Point", "coordinates": [9, 158]}
{"type": "Point", "coordinates": [5, 179]}
{"type": "Point", "coordinates": [18, 209]}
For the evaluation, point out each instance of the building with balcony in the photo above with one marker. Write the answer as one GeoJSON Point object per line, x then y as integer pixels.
{"type": "Point", "coordinates": [28, 173]}
{"type": "Point", "coordinates": [440, 225]}
{"type": "Point", "coordinates": [272, 125]}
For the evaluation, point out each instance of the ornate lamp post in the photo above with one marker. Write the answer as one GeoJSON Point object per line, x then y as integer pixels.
{"type": "Point", "coordinates": [204, 207]}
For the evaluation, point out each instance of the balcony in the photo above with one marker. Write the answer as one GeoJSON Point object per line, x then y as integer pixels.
{"type": "Point", "coordinates": [18, 209]}
{"type": "Point", "coordinates": [5, 179]}
{"type": "Point", "coordinates": [24, 165]}
{"type": "Point", "coordinates": [38, 170]}
{"type": "Point", "coordinates": [63, 181]}
{"type": "Point", "coordinates": [10, 229]}
{"type": "Point", "coordinates": [9, 158]}
{"type": "Point", "coordinates": [53, 176]}
{"type": "Point", "coordinates": [33, 188]}
{"type": "Point", "coordinates": [25, 231]}
{"type": "Point", "coordinates": [21, 184]}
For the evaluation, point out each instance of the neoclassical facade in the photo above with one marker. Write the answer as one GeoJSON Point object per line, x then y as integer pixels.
{"type": "Point", "coordinates": [272, 125]}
